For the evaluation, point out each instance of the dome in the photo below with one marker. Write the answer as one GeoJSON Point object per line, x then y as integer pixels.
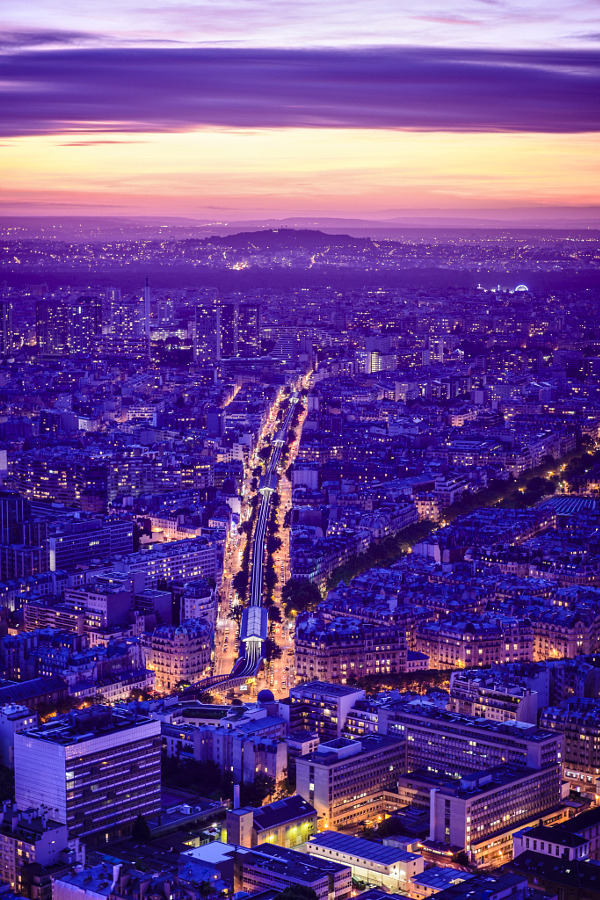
{"type": "Point", "coordinates": [265, 696]}
{"type": "Point", "coordinates": [521, 287]}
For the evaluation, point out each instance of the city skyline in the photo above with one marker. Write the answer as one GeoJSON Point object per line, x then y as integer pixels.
{"type": "Point", "coordinates": [228, 112]}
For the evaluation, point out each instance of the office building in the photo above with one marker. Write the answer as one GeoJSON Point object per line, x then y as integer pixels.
{"type": "Point", "coordinates": [346, 781]}
{"type": "Point", "coordinates": [6, 328]}
{"type": "Point", "coordinates": [447, 743]}
{"type": "Point", "coordinates": [239, 326]}
{"type": "Point", "coordinates": [479, 813]}
{"type": "Point", "coordinates": [207, 327]}
{"type": "Point", "coordinates": [94, 769]}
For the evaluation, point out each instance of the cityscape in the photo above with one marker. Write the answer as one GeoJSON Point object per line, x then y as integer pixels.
{"type": "Point", "coordinates": [300, 451]}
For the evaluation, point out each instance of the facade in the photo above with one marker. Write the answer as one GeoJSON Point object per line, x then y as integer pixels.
{"type": "Point", "coordinates": [578, 719]}
{"type": "Point", "coordinates": [474, 693]}
{"type": "Point", "coordinates": [450, 644]}
{"type": "Point", "coordinates": [446, 743]}
{"type": "Point", "coordinates": [289, 822]}
{"type": "Point", "coordinates": [344, 647]}
{"type": "Point", "coordinates": [178, 654]}
{"type": "Point", "coordinates": [176, 561]}
{"type": "Point", "coordinates": [346, 780]}
{"type": "Point", "coordinates": [480, 812]}
{"type": "Point", "coordinates": [95, 770]}
{"type": "Point", "coordinates": [321, 707]}
{"type": "Point", "coordinates": [199, 601]}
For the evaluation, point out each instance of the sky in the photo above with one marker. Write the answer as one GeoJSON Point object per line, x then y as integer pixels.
{"type": "Point", "coordinates": [225, 111]}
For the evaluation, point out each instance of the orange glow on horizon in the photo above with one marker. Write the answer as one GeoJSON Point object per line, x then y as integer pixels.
{"type": "Point", "coordinates": [220, 174]}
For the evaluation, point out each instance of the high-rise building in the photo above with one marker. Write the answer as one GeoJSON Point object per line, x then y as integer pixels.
{"type": "Point", "coordinates": [207, 345]}
{"type": "Point", "coordinates": [6, 328]}
{"type": "Point", "coordinates": [68, 327]}
{"type": "Point", "coordinates": [248, 330]}
{"type": "Point", "coordinates": [95, 770]}
{"type": "Point", "coordinates": [228, 328]}
{"type": "Point", "coordinates": [239, 329]}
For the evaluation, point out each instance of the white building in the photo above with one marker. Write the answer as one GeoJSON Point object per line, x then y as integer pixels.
{"type": "Point", "coordinates": [93, 769]}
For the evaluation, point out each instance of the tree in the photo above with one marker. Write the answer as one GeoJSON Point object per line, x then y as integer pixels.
{"type": "Point", "coordinates": [296, 892]}
{"type": "Point", "coordinates": [240, 582]}
{"type": "Point", "coordinates": [272, 650]}
{"type": "Point", "coordinates": [274, 614]}
{"type": "Point", "coordinates": [264, 453]}
{"type": "Point", "coordinates": [299, 595]}
{"type": "Point", "coordinates": [141, 829]}
{"type": "Point", "coordinates": [255, 792]}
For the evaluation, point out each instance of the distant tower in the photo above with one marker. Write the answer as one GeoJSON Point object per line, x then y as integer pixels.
{"type": "Point", "coordinates": [147, 309]}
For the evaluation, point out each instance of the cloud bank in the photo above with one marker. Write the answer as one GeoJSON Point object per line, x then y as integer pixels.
{"type": "Point", "coordinates": [127, 90]}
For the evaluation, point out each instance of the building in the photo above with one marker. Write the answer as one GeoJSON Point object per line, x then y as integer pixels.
{"type": "Point", "coordinates": [578, 719]}
{"type": "Point", "coordinates": [446, 743]}
{"type": "Point", "coordinates": [389, 867]}
{"type": "Point", "coordinates": [479, 813]}
{"type": "Point", "coordinates": [344, 647]}
{"type": "Point", "coordinates": [13, 718]}
{"type": "Point", "coordinates": [321, 707]}
{"type": "Point", "coordinates": [94, 769]}
{"type": "Point", "coordinates": [199, 601]}
{"type": "Point", "coordinates": [30, 839]}
{"type": "Point", "coordinates": [239, 329]}
{"type": "Point", "coordinates": [451, 643]}
{"type": "Point", "coordinates": [346, 780]}
{"type": "Point", "coordinates": [480, 694]}
{"type": "Point", "coordinates": [272, 867]}
{"type": "Point", "coordinates": [178, 654]}
{"type": "Point", "coordinates": [289, 822]}
{"type": "Point", "coordinates": [556, 841]}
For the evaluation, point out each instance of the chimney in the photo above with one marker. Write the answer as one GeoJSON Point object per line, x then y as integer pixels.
{"type": "Point", "coordinates": [236, 796]}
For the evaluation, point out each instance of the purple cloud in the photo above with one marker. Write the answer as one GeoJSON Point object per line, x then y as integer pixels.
{"type": "Point", "coordinates": [156, 89]}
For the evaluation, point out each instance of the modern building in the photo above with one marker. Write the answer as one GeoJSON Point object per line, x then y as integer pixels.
{"type": "Point", "coordinates": [347, 780]}
{"type": "Point", "coordinates": [321, 707]}
{"type": "Point", "coordinates": [94, 770]}
{"type": "Point", "coordinates": [389, 867]}
{"type": "Point", "coordinates": [479, 813]}
{"type": "Point", "coordinates": [450, 744]}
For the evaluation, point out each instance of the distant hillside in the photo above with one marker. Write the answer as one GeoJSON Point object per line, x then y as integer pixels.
{"type": "Point", "coordinates": [280, 239]}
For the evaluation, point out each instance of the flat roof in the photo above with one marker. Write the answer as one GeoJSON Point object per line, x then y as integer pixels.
{"type": "Point", "coordinates": [361, 848]}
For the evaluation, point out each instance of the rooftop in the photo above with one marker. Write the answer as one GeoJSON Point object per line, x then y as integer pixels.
{"type": "Point", "coordinates": [361, 848]}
